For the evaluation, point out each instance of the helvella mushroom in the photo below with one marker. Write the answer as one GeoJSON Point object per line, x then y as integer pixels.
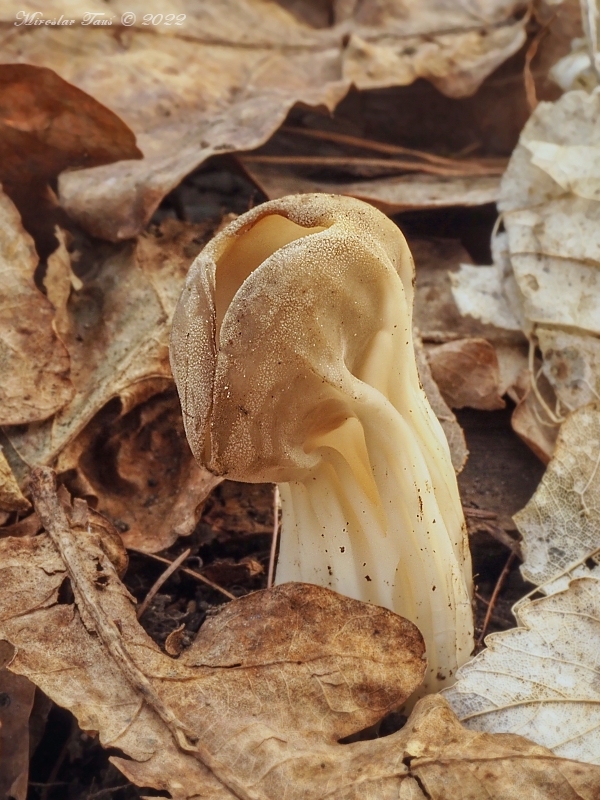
{"type": "Point", "coordinates": [293, 356]}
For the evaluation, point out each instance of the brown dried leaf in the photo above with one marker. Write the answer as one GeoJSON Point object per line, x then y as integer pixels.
{"type": "Point", "coordinates": [25, 527]}
{"type": "Point", "coordinates": [530, 419]}
{"type": "Point", "coordinates": [142, 471]}
{"type": "Point", "coordinates": [467, 373]}
{"type": "Point", "coordinates": [35, 364]}
{"type": "Point", "coordinates": [16, 702]}
{"type": "Point", "coordinates": [46, 126]}
{"type": "Point", "coordinates": [116, 332]}
{"type": "Point", "coordinates": [454, 433]}
{"type": "Point", "coordinates": [225, 78]}
{"type": "Point", "coordinates": [436, 314]}
{"type": "Point", "coordinates": [389, 194]}
{"type": "Point", "coordinates": [255, 707]}
{"type": "Point", "coordinates": [288, 671]}
{"type": "Point", "coordinates": [11, 496]}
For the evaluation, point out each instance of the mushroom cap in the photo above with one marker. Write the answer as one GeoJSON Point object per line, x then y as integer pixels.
{"type": "Point", "coordinates": [273, 327]}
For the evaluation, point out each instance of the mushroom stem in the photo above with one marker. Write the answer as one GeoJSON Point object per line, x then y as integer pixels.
{"type": "Point", "coordinates": [367, 521]}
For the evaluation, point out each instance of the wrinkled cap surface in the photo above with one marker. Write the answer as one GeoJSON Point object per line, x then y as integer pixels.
{"type": "Point", "coordinates": [275, 319]}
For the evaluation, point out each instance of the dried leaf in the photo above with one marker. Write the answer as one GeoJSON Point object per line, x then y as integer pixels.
{"type": "Point", "coordinates": [389, 194]}
{"type": "Point", "coordinates": [16, 702]}
{"type": "Point", "coordinates": [35, 364]}
{"type": "Point", "coordinates": [530, 417]}
{"type": "Point", "coordinates": [467, 373]}
{"type": "Point", "coordinates": [116, 332]}
{"type": "Point", "coordinates": [254, 708]}
{"type": "Point", "coordinates": [542, 678]}
{"type": "Point", "coordinates": [546, 274]}
{"type": "Point", "coordinates": [454, 433]}
{"type": "Point", "coordinates": [571, 365]}
{"type": "Point", "coordinates": [561, 523]}
{"type": "Point", "coordinates": [223, 80]}
{"type": "Point", "coordinates": [46, 126]}
{"type": "Point", "coordinates": [11, 497]}
{"type": "Point", "coordinates": [299, 666]}
{"type": "Point", "coordinates": [142, 471]}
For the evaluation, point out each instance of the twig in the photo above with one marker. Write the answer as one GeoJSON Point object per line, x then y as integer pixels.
{"type": "Point", "coordinates": [173, 567]}
{"type": "Point", "coordinates": [500, 535]}
{"type": "Point", "coordinates": [494, 597]}
{"type": "Point", "coordinates": [383, 147]}
{"type": "Point", "coordinates": [189, 572]}
{"type": "Point", "coordinates": [456, 170]}
{"type": "Point", "coordinates": [479, 513]}
{"type": "Point", "coordinates": [276, 507]}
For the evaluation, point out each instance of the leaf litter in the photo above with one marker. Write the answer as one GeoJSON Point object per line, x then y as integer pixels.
{"type": "Point", "coordinates": [114, 435]}
{"type": "Point", "coordinates": [225, 80]}
{"type": "Point", "coordinates": [249, 710]}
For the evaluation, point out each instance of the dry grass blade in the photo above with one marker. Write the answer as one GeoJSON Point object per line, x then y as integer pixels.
{"type": "Point", "coordinates": [492, 601]}
{"type": "Point", "coordinates": [397, 150]}
{"type": "Point", "coordinates": [192, 573]}
{"type": "Point", "coordinates": [173, 567]}
{"type": "Point", "coordinates": [457, 169]}
{"type": "Point", "coordinates": [275, 539]}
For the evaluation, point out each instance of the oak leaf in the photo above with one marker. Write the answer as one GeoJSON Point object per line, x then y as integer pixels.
{"type": "Point", "coordinates": [255, 708]}
{"type": "Point", "coordinates": [35, 364]}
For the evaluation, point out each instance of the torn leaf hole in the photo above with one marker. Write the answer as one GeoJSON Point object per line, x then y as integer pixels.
{"type": "Point", "coordinates": [65, 593]}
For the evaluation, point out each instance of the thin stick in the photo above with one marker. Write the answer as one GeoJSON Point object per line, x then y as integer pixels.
{"type": "Point", "coordinates": [494, 597]}
{"type": "Point", "coordinates": [383, 147]}
{"type": "Point", "coordinates": [187, 571]}
{"type": "Point", "coordinates": [173, 567]}
{"type": "Point", "coordinates": [458, 169]}
{"type": "Point", "coordinates": [276, 507]}
{"type": "Point", "coordinates": [479, 513]}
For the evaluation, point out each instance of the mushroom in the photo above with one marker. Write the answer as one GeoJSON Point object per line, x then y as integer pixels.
{"type": "Point", "coordinates": [293, 357]}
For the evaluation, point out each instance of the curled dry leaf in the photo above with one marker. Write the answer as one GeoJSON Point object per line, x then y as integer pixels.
{"type": "Point", "coordinates": [560, 525]}
{"type": "Point", "coordinates": [467, 373]}
{"type": "Point", "coordinates": [546, 264]}
{"type": "Point", "coordinates": [225, 78]}
{"type": "Point", "coordinates": [254, 708]}
{"type": "Point", "coordinates": [35, 363]}
{"type": "Point", "coordinates": [542, 678]}
{"type": "Point", "coordinates": [142, 471]}
{"type": "Point", "coordinates": [46, 126]}
{"type": "Point", "coordinates": [530, 417]}
{"type": "Point", "coordinates": [116, 329]}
